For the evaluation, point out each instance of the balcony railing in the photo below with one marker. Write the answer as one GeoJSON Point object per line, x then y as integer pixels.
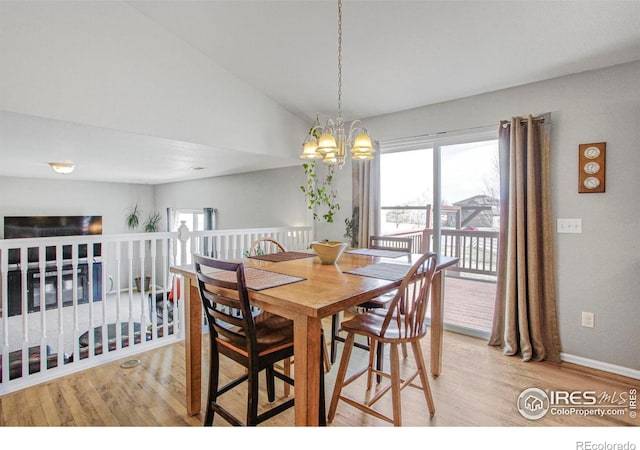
{"type": "Point", "coordinates": [73, 302]}
{"type": "Point", "coordinates": [477, 250]}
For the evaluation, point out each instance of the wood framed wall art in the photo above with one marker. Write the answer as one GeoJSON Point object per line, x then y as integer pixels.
{"type": "Point", "coordinates": [591, 167]}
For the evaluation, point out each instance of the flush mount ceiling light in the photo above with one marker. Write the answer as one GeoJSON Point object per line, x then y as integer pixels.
{"type": "Point", "coordinates": [62, 167]}
{"type": "Point", "coordinates": [329, 142]}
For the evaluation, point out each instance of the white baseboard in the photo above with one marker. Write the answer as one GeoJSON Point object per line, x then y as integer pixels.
{"type": "Point", "coordinates": [599, 365]}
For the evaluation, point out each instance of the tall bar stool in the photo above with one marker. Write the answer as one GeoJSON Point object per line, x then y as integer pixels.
{"type": "Point", "coordinates": [256, 343]}
{"type": "Point", "coordinates": [404, 322]}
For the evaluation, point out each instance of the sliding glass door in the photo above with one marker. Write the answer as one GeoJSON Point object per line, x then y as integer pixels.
{"type": "Point", "coordinates": [443, 191]}
{"type": "Point", "coordinates": [406, 194]}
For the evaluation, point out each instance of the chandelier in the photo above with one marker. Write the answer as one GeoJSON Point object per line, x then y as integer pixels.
{"type": "Point", "coordinates": [329, 142]}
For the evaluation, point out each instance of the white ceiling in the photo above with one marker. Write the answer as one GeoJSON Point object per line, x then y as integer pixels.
{"type": "Point", "coordinates": [396, 55]}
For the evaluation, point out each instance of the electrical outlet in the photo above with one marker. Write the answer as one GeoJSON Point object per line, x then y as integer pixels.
{"type": "Point", "coordinates": [588, 319]}
{"type": "Point", "coordinates": [569, 226]}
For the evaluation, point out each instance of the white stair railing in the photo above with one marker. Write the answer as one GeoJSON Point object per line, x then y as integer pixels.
{"type": "Point", "coordinates": [68, 303]}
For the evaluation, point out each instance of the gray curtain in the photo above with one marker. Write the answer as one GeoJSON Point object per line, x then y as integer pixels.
{"type": "Point", "coordinates": [366, 198]}
{"type": "Point", "coordinates": [525, 321]}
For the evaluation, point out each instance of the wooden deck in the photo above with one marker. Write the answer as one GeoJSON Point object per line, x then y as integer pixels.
{"type": "Point", "coordinates": [469, 303]}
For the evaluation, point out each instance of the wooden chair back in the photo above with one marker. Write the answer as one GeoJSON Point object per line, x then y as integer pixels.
{"type": "Point", "coordinates": [408, 309]}
{"type": "Point", "coordinates": [229, 314]}
{"type": "Point", "coordinates": [266, 246]}
{"type": "Point", "coordinates": [400, 244]}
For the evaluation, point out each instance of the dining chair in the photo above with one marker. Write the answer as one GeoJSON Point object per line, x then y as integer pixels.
{"type": "Point", "coordinates": [255, 342]}
{"type": "Point", "coordinates": [403, 322]}
{"type": "Point", "coordinates": [400, 244]}
{"type": "Point", "coordinates": [393, 243]}
{"type": "Point", "coordinates": [265, 246]}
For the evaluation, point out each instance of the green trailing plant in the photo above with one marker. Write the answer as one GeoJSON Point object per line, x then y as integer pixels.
{"type": "Point", "coordinates": [133, 217]}
{"type": "Point", "coordinates": [320, 193]}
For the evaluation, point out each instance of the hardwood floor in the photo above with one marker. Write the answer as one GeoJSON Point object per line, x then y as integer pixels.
{"type": "Point", "coordinates": [478, 387]}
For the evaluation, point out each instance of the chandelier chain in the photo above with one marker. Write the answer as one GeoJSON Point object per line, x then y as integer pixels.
{"type": "Point", "coordinates": [330, 142]}
{"type": "Point", "coordinates": [340, 58]}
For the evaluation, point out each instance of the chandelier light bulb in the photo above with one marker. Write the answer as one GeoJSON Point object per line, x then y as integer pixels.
{"type": "Point", "coordinates": [310, 148]}
{"type": "Point", "coordinates": [330, 158]}
{"type": "Point", "coordinates": [64, 168]}
{"type": "Point", "coordinates": [362, 143]}
{"type": "Point", "coordinates": [327, 143]}
{"type": "Point", "coordinates": [362, 155]}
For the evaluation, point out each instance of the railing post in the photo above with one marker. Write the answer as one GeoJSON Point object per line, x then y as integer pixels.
{"type": "Point", "coordinates": [183, 237]}
{"type": "Point", "coordinates": [426, 240]}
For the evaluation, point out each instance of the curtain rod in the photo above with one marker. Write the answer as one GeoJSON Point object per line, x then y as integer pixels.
{"type": "Point", "coordinates": [441, 133]}
{"type": "Point", "coordinates": [504, 123]}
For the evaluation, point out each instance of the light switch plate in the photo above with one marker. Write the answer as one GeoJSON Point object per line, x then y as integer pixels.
{"type": "Point", "coordinates": [569, 225]}
{"type": "Point", "coordinates": [588, 319]}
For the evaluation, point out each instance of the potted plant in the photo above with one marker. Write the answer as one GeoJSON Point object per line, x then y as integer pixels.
{"type": "Point", "coordinates": [133, 217]}
{"type": "Point", "coordinates": [152, 223]}
{"type": "Point", "coordinates": [352, 227]}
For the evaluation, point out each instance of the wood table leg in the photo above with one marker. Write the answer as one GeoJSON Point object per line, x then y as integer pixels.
{"type": "Point", "coordinates": [306, 337]}
{"type": "Point", "coordinates": [437, 330]}
{"type": "Point", "coordinates": [193, 347]}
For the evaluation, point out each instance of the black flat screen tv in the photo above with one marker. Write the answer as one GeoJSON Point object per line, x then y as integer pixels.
{"type": "Point", "coordinates": [16, 227]}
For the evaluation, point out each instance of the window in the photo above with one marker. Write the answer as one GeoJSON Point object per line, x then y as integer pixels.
{"type": "Point", "coordinates": [195, 219]}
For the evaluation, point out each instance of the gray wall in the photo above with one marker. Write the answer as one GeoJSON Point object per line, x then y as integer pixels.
{"type": "Point", "coordinates": [598, 270]}
{"type": "Point", "coordinates": [39, 197]}
{"type": "Point", "coordinates": [268, 198]}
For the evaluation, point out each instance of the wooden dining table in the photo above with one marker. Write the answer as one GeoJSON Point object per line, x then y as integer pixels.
{"type": "Point", "coordinates": [323, 290]}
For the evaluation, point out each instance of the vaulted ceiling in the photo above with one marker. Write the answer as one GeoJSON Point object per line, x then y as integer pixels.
{"type": "Point", "coordinates": [397, 55]}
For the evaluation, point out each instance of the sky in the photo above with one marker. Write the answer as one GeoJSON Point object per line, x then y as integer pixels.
{"type": "Point", "coordinates": [465, 167]}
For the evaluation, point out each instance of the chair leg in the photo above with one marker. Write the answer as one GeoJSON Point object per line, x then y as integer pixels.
{"type": "Point", "coordinates": [335, 324]}
{"type": "Point", "coordinates": [214, 370]}
{"type": "Point", "coordinates": [379, 360]}
{"type": "Point", "coordinates": [340, 377]}
{"type": "Point", "coordinates": [417, 352]}
{"type": "Point", "coordinates": [395, 385]}
{"type": "Point", "coordinates": [404, 350]}
{"type": "Point", "coordinates": [271, 388]}
{"type": "Point", "coordinates": [370, 364]}
{"type": "Point", "coordinates": [252, 400]}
